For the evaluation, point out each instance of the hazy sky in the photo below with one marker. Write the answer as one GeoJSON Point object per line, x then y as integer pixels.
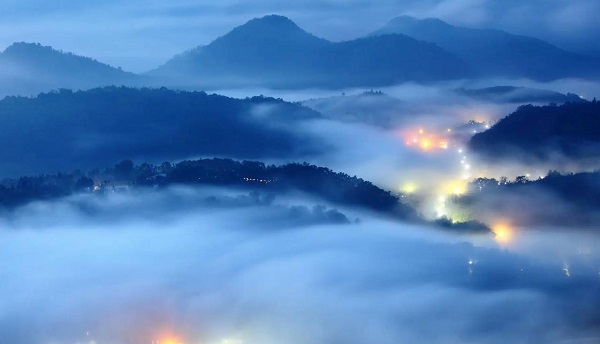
{"type": "Point", "coordinates": [139, 35]}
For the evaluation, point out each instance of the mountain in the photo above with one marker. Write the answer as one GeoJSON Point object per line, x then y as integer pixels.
{"type": "Point", "coordinates": [495, 52]}
{"type": "Point", "coordinates": [571, 200]}
{"type": "Point", "coordinates": [513, 94]}
{"type": "Point", "coordinates": [30, 68]}
{"type": "Point", "coordinates": [263, 47]}
{"type": "Point", "coordinates": [371, 107]}
{"type": "Point", "coordinates": [273, 51]}
{"type": "Point", "coordinates": [321, 182]}
{"type": "Point", "coordinates": [570, 130]}
{"type": "Point", "coordinates": [63, 130]}
{"type": "Point", "coordinates": [263, 182]}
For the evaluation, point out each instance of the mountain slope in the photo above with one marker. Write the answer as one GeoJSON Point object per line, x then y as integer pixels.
{"type": "Point", "coordinates": [262, 48]}
{"type": "Point", "coordinates": [273, 51]}
{"type": "Point", "coordinates": [371, 107]}
{"type": "Point", "coordinates": [64, 130]}
{"type": "Point", "coordinates": [544, 132]}
{"type": "Point", "coordinates": [30, 68]}
{"type": "Point", "coordinates": [387, 60]}
{"type": "Point", "coordinates": [495, 52]}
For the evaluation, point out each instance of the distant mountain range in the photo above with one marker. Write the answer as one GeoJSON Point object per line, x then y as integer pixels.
{"type": "Point", "coordinates": [274, 52]}
{"type": "Point", "coordinates": [513, 94]}
{"type": "Point", "coordinates": [495, 52]}
{"type": "Point", "coordinates": [30, 68]}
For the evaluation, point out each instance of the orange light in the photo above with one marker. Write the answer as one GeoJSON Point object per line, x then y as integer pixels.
{"type": "Point", "coordinates": [503, 232]}
{"type": "Point", "coordinates": [170, 341]}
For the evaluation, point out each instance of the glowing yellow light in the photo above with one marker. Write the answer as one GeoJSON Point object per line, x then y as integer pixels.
{"type": "Point", "coordinates": [504, 234]}
{"type": "Point", "coordinates": [421, 131]}
{"type": "Point", "coordinates": [425, 144]}
{"type": "Point", "coordinates": [457, 187]}
{"type": "Point", "coordinates": [170, 340]}
{"type": "Point", "coordinates": [409, 188]}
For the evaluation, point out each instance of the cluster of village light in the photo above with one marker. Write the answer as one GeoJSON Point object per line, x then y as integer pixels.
{"type": "Point", "coordinates": [504, 233]}
{"type": "Point", "coordinates": [429, 142]}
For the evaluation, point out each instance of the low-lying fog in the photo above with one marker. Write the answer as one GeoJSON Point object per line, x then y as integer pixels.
{"type": "Point", "coordinates": [223, 266]}
{"type": "Point", "coordinates": [413, 138]}
{"type": "Point", "coordinates": [216, 266]}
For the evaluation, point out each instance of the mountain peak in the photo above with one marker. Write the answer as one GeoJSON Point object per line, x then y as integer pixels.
{"type": "Point", "coordinates": [411, 23]}
{"type": "Point", "coordinates": [43, 67]}
{"type": "Point", "coordinates": [19, 48]}
{"type": "Point", "coordinates": [274, 20]}
{"type": "Point", "coordinates": [269, 26]}
{"type": "Point", "coordinates": [270, 29]}
{"type": "Point", "coordinates": [495, 52]}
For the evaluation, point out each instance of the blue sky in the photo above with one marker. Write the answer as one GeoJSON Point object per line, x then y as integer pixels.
{"type": "Point", "coordinates": [139, 35]}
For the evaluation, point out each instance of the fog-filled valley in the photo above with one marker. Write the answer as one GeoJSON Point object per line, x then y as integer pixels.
{"type": "Point", "coordinates": [151, 266]}
{"type": "Point", "coordinates": [426, 181]}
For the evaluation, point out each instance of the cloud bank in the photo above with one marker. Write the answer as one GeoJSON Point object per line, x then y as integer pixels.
{"type": "Point", "coordinates": [131, 268]}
